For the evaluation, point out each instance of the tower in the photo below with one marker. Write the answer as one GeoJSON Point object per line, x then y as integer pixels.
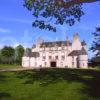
{"type": "Point", "coordinates": [83, 58]}
{"type": "Point", "coordinates": [76, 44]}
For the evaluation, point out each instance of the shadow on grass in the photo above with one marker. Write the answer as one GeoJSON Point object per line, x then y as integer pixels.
{"type": "Point", "coordinates": [4, 95]}
{"type": "Point", "coordinates": [91, 78]}
{"type": "Point", "coordinates": [2, 78]}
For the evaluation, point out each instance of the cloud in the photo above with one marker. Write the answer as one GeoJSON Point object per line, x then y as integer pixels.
{"type": "Point", "coordinates": [3, 30]}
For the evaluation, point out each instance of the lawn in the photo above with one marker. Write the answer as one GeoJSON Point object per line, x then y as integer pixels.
{"type": "Point", "coordinates": [7, 66]}
{"type": "Point", "coordinates": [50, 84]}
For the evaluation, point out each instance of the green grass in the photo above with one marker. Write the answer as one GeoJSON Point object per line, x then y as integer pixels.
{"type": "Point", "coordinates": [7, 66]}
{"type": "Point", "coordinates": [50, 84]}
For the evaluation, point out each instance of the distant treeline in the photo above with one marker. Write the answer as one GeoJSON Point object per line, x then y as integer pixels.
{"type": "Point", "coordinates": [94, 62]}
{"type": "Point", "coordinates": [10, 55]}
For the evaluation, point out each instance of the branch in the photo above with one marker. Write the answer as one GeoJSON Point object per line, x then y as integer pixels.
{"type": "Point", "coordinates": [73, 2]}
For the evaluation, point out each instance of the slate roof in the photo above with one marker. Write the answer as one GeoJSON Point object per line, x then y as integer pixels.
{"type": "Point", "coordinates": [27, 53]}
{"type": "Point", "coordinates": [58, 43]}
{"type": "Point", "coordinates": [31, 54]}
{"type": "Point", "coordinates": [34, 46]}
{"type": "Point", "coordinates": [34, 54]}
{"type": "Point", "coordinates": [78, 52]}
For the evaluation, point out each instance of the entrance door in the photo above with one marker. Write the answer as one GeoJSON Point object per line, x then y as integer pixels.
{"type": "Point", "coordinates": [53, 64]}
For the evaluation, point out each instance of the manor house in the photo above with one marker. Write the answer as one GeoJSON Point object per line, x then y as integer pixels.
{"type": "Point", "coordinates": [61, 54]}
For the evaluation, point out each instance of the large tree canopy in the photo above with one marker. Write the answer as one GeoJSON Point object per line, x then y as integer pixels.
{"type": "Point", "coordinates": [49, 13]}
{"type": "Point", "coordinates": [7, 54]}
{"type": "Point", "coordinates": [19, 51]}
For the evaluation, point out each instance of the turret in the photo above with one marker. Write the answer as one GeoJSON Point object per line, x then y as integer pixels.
{"type": "Point", "coordinates": [83, 59]}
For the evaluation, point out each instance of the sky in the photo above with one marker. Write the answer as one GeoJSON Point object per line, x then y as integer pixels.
{"type": "Point", "coordinates": [16, 25]}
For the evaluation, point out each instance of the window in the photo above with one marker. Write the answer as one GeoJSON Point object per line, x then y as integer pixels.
{"type": "Point", "coordinates": [40, 66]}
{"type": "Point", "coordinates": [73, 58]}
{"type": "Point", "coordinates": [56, 57]}
{"type": "Point", "coordinates": [66, 66]}
{"type": "Point", "coordinates": [63, 57]}
{"type": "Point", "coordinates": [50, 57]}
{"type": "Point", "coordinates": [72, 63]}
{"type": "Point", "coordinates": [45, 63]}
{"type": "Point", "coordinates": [44, 57]}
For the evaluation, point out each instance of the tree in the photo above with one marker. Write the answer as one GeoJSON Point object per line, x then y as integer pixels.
{"type": "Point", "coordinates": [19, 51]}
{"type": "Point", "coordinates": [96, 43]}
{"type": "Point", "coordinates": [7, 54]}
{"type": "Point", "coordinates": [55, 11]}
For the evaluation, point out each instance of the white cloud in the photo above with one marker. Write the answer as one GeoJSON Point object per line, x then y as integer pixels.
{"type": "Point", "coordinates": [3, 30]}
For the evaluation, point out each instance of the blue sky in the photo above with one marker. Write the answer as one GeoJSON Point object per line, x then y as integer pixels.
{"type": "Point", "coordinates": [16, 25]}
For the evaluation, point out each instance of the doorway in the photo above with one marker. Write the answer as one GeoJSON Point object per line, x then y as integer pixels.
{"type": "Point", "coordinates": [53, 64]}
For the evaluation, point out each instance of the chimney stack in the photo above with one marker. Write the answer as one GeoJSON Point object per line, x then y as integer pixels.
{"type": "Point", "coordinates": [75, 37]}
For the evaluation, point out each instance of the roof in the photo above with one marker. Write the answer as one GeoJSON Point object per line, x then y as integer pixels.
{"type": "Point", "coordinates": [58, 43]}
{"type": "Point", "coordinates": [34, 54]}
{"type": "Point", "coordinates": [31, 54]}
{"type": "Point", "coordinates": [33, 46]}
{"type": "Point", "coordinates": [78, 52]}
